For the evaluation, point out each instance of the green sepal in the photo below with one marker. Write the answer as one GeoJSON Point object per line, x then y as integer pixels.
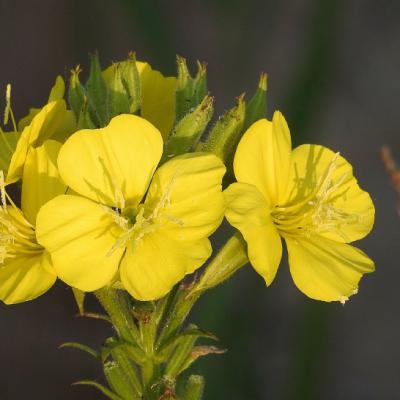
{"type": "Point", "coordinates": [194, 388]}
{"type": "Point", "coordinates": [107, 392]}
{"type": "Point", "coordinates": [81, 347]}
{"type": "Point", "coordinates": [199, 84]}
{"type": "Point", "coordinates": [97, 93]}
{"type": "Point", "coordinates": [192, 331]}
{"type": "Point", "coordinates": [119, 101]}
{"type": "Point", "coordinates": [257, 106]}
{"type": "Point", "coordinates": [85, 120]}
{"type": "Point", "coordinates": [231, 257]}
{"type": "Point", "coordinates": [189, 129]}
{"type": "Point", "coordinates": [180, 354]}
{"type": "Point", "coordinates": [79, 297]}
{"type": "Point", "coordinates": [131, 81]}
{"type": "Point", "coordinates": [118, 381]}
{"type": "Point", "coordinates": [225, 134]}
{"type": "Point", "coordinates": [76, 92]}
{"type": "Point", "coordinates": [190, 91]}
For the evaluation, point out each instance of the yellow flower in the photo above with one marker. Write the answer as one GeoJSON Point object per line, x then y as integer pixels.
{"type": "Point", "coordinates": [158, 96]}
{"type": "Point", "coordinates": [53, 121]}
{"type": "Point", "coordinates": [309, 197]}
{"type": "Point", "coordinates": [110, 225]}
{"type": "Point", "coordinates": [26, 270]}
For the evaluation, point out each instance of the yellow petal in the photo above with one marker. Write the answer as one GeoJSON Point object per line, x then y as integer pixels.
{"type": "Point", "coordinates": [326, 270]}
{"type": "Point", "coordinates": [153, 265]}
{"type": "Point", "coordinates": [58, 90]}
{"type": "Point", "coordinates": [185, 195]}
{"type": "Point", "coordinates": [353, 206]}
{"type": "Point", "coordinates": [8, 143]}
{"type": "Point", "coordinates": [248, 211]}
{"type": "Point", "coordinates": [41, 180]}
{"type": "Point", "coordinates": [26, 277]}
{"type": "Point", "coordinates": [158, 98]}
{"type": "Point", "coordinates": [80, 235]}
{"type": "Point", "coordinates": [263, 157]}
{"type": "Point", "coordinates": [49, 122]}
{"type": "Point", "coordinates": [113, 164]}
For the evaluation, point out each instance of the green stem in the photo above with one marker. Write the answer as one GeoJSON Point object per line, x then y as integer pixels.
{"type": "Point", "coordinates": [116, 306]}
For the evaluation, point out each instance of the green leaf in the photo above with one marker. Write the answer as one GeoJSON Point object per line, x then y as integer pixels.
{"type": "Point", "coordinates": [81, 347]}
{"type": "Point", "coordinates": [107, 392]}
{"type": "Point", "coordinates": [192, 331]}
{"type": "Point", "coordinates": [197, 352]}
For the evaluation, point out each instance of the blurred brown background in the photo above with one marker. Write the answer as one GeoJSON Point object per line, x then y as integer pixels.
{"type": "Point", "coordinates": [334, 72]}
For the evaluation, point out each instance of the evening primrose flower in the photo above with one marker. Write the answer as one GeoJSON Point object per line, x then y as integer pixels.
{"type": "Point", "coordinates": [126, 221]}
{"type": "Point", "coordinates": [158, 96]}
{"type": "Point", "coordinates": [307, 196]}
{"type": "Point", "coordinates": [26, 269]}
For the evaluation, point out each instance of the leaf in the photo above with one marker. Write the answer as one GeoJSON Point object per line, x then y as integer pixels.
{"type": "Point", "coordinates": [107, 392]}
{"type": "Point", "coordinates": [81, 347]}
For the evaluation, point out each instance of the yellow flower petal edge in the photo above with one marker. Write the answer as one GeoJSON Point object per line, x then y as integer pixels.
{"type": "Point", "coordinates": [152, 266]}
{"type": "Point", "coordinates": [310, 198]}
{"type": "Point", "coordinates": [248, 211]}
{"type": "Point", "coordinates": [53, 121]}
{"type": "Point", "coordinates": [26, 277]}
{"type": "Point", "coordinates": [326, 270]}
{"type": "Point", "coordinates": [41, 180]}
{"type": "Point", "coordinates": [268, 169]}
{"type": "Point", "coordinates": [112, 165]}
{"type": "Point", "coordinates": [187, 195]}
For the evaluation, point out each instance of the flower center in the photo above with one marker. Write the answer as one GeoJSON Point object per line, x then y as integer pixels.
{"type": "Point", "coordinates": [316, 212]}
{"type": "Point", "coordinates": [17, 235]}
{"type": "Point", "coordinates": [146, 218]}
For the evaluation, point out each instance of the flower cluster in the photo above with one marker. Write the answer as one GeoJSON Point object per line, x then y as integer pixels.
{"type": "Point", "coordinates": [123, 188]}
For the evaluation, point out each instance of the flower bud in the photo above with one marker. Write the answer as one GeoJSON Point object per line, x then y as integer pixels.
{"type": "Point", "coordinates": [257, 106]}
{"type": "Point", "coordinates": [119, 101]}
{"type": "Point", "coordinates": [131, 81]}
{"type": "Point", "coordinates": [189, 129]}
{"type": "Point", "coordinates": [76, 92]}
{"type": "Point", "coordinates": [194, 388]}
{"type": "Point", "coordinates": [228, 260]}
{"type": "Point", "coordinates": [97, 93]}
{"type": "Point", "coordinates": [190, 92]}
{"type": "Point", "coordinates": [226, 133]}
